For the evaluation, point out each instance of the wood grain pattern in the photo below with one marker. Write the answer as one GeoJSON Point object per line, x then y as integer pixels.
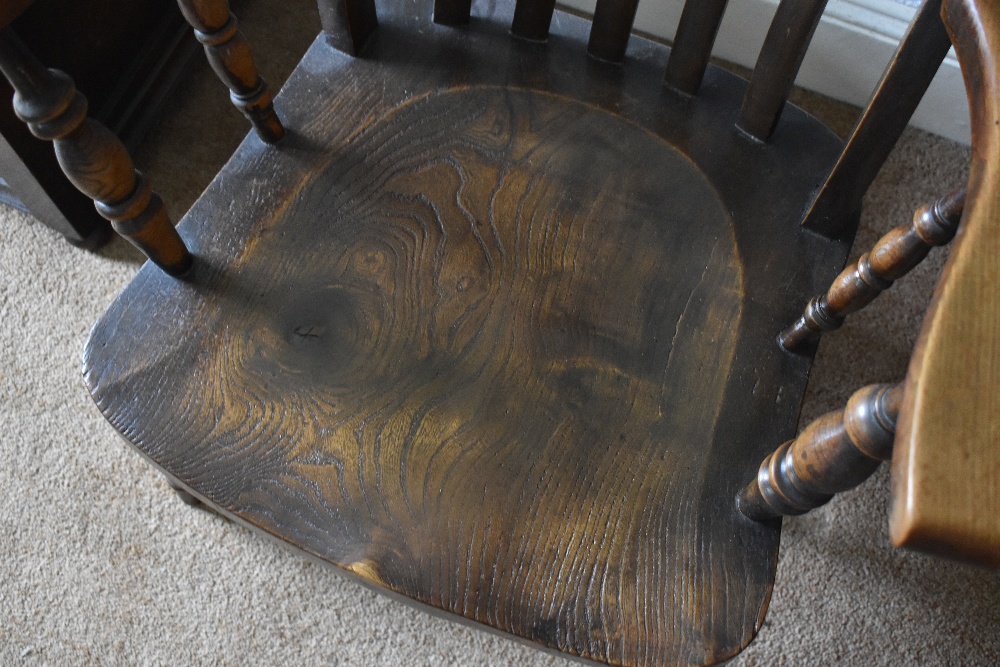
{"type": "Point", "coordinates": [229, 55]}
{"type": "Point", "coordinates": [946, 469]}
{"type": "Point", "coordinates": [93, 159]}
{"type": "Point", "coordinates": [780, 58]}
{"type": "Point", "coordinates": [892, 257]}
{"type": "Point", "coordinates": [900, 90]}
{"type": "Point", "coordinates": [479, 333]}
{"type": "Point", "coordinates": [834, 453]}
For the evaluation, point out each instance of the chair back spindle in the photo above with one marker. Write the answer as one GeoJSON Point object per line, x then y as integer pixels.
{"type": "Point", "coordinates": [532, 19]}
{"type": "Point", "coordinates": [229, 54]}
{"type": "Point", "coordinates": [610, 29]}
{"type": "Point", "coordinates": [93, 158]}
{"type": "Point", "coordinates": [348, 24]}
{"type": "Point", "coordinates": [778, 63]}
{"type": "Point", "coordinates": [452, 12]}
{"type": "Point", "coordinates": [693, 43]}
{"type": "Point", "coordinates": [907, 77]}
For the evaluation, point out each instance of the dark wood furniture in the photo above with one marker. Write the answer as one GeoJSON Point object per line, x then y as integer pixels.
{"type": "Point", "coordinates": [495, 325]}
{"type": "Point", "coordinates": [126, 57]}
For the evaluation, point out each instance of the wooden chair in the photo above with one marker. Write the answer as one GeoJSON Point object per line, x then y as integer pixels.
{"type": "Point", "coordinates": [507, 330]}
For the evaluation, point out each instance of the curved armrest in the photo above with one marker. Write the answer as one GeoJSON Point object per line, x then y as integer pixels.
{"type": "Point", "coordinates": [946, 464]}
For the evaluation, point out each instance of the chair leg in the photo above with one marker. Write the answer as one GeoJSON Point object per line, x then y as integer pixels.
{"type": "Point", "coordinates": [185, 497]}
{"type": "Point", "coordinates": [836, 452]}
{"type": "Point", "coordinates": [229, 55]}
{"type": "Point", "coordinates": [90, 155]}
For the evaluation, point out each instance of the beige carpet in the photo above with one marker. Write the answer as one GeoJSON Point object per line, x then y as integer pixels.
{"type": "Point", "coordinates": [101, 564]}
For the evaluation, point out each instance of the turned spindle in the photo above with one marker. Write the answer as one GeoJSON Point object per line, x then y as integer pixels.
{"type": "Point", "coordinates": [93, 159]}
{"type": "Point", "coordinates": [893, 256]}
{"type": "Point", "coordinates": [836, 452]}
{"type": "Point", "coordinates": [229, 55]}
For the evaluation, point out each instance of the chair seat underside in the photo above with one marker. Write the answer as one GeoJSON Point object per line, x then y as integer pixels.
{"type": "Point", "coordinates": [493, 329]}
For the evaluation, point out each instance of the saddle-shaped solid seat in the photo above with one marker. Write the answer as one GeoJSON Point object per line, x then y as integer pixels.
{"type": "Point", "coordinates": [493, 328]}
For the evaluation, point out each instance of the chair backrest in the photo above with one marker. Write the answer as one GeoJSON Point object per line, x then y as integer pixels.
{"type": "Point", "coordinates": [349, 23]}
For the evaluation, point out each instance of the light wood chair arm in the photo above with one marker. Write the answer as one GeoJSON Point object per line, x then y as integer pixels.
{"type": "Point", "coordinates": [946, 464]}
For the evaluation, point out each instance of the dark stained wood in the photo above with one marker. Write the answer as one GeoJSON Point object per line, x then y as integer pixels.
{"type": "Point", "coordinates": [946, 467]}
{"type": "Point", "coordinates": [532, 19]}
{"type": "Point", "coordinates": [91, 156]}
{"type": "Point", "coordinates": [493, 330]}
{"type": "Point", "coordinates": [693, 43]}
{"type": "Point", "coordinates": [609, 33]}
{"type": "Point", "coordinates": [348, 23]}
{"type": "Point", "coordinates": [452, 12]}
{"type": "Point", "coordinates": [11, 9]}
{"type": "Point", "coordinates": [894, 255]}
{"type": "Point", "coordinates": [89, 40]}
{"type": "Point", "coordinates": [910, 71]}
{"type": "Point", "coordinates": [835, 453]}
{"type": "Point", "coordinates": [778, 64]}
{"type": "Point", "coordinates": [229, 54]}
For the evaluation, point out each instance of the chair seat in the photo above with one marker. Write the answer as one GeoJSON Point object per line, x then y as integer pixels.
{"type": "Point", "coordinates": [497, 335]}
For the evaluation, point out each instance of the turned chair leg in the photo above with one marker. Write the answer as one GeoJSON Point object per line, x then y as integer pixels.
{"type": "Point", "coordinates": [90, 155]}
{"type": "Point", "coordinates": [230, 56]}
{"type": "Point", "coordinates": [836, 452]}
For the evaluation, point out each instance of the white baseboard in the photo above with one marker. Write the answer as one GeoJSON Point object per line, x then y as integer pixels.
{"type": "Point", "coordinates": [852, 46]}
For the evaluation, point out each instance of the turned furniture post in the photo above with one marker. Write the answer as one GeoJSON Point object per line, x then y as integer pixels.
{"type": "Point", "coordinates": [94, 160]}
{"type": "Point", "coordinates": [890, 259]}
{"type": "Point", "coordinates": [836, 452]}
{"type": "Point", "coordinates": [229, 54]}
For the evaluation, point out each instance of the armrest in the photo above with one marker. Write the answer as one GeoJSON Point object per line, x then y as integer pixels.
{"type": "Point", "coordinates": [946, 463]}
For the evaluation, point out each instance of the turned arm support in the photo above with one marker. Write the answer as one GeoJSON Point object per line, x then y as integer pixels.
{"type": "Point", "coordinates": [229, 55]}
{"type": "Point", "coordinates": [93, 159]}
{"type": "Point", "coordinates": [836, 452]}
{"type": "Point", "coordinates": [894, 255]}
